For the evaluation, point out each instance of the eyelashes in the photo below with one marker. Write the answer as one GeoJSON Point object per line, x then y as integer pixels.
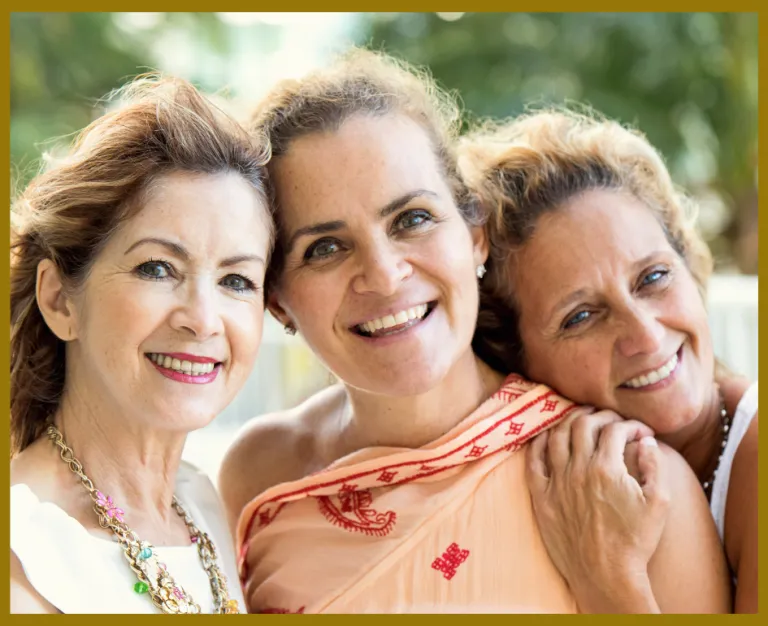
{"type": "Point", "coordinates": [406, 222]}
{"type": "Point", "coordinates": [653, 280]}
{"type": "Point", "coordinates": [159, 270]}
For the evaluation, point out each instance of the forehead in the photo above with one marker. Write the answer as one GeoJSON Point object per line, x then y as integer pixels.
{"type": "Point", "coordinates": [210, 210]}
{"type": "Point", "coordinates": [365, 163]}
{"type": "Point", "coordinates": [595, 229]}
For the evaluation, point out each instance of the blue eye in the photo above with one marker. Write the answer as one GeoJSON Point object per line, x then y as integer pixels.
{"type": "Point", "coordinates": [154, 270]}
{"type": "Point", "coordinates": [322, 249]}
{"type": "Point", "coordinates": [653, 277]}
{"type": "Point", "coordinates": [238, 283]}
{"type": "Point", "coordinates": [412, 219]}
{"type": "Point", "coordinates": [576, 319]}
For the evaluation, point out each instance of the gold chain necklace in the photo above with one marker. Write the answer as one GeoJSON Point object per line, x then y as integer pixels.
{"type": "Point", "coordinates": [153, 575]}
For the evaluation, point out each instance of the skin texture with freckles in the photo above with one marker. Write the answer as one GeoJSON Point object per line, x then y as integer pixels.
{"type": "Point", "coordinates": [371, 264]}
{"type": "Point", "coordinates": [603, 264]}
{"type": "Point", "coordinates": [371, 228]}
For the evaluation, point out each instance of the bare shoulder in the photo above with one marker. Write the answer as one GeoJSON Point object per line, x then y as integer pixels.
{"type": "Point", "coordinates": [274, 448]}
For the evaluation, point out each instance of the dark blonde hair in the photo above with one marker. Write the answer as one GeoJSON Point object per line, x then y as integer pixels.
{"type": "Point", "coordinates": [67, 214]}
{"type": "Point", "coordinates": [536, 163]}
{"type": "Point", "coordinates": [363, 82]}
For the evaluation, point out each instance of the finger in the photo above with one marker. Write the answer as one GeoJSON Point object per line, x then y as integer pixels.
{"type": "Point", "coordinates": [613, 439]}
{"type": "Point", "coordinates": [651, 466]}
{"type": "Point", "coordinates": [559, 448]}
{"type": "Point", "coordinates": [536, 470]}
{"type": "Point", "coordinates": [585, 432]}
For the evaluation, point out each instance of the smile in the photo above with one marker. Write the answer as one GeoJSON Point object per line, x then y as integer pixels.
{"type": "Point", "coordinates": [655, 376]}
{"type": "Point", "coordinates": [395, 322]}
{"type": "Point", "coordinates": [201, 366]}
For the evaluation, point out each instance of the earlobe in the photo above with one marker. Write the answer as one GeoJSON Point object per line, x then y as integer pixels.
{"type": "Point", "coordinates": [277, 311]}
{"type": "Point", "coordinates": [480, 244]}
{"type": "Point", "coordinates": [53, 303]}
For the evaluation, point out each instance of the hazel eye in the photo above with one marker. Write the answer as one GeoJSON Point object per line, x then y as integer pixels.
{"type": "Point", "coordinates": [322, 249]}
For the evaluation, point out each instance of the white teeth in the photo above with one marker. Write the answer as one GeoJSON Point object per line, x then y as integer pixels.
{"type": "Point", "coordinates": [401, 317]}
{"type": "Point", "coordinates": [185, 367]}
{"type": "Point", "coordinates": [655, 376]}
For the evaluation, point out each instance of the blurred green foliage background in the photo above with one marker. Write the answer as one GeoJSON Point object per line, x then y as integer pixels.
{"type": "Point", "coordinates": [688, 80]}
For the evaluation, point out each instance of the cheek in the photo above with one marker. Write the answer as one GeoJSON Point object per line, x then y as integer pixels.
{"type": "Point", "coordinates": [246, 322]}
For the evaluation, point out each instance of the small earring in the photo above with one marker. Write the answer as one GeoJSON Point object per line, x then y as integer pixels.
{"type": "Point", "coordinates": [289, 329]}
{"type": "Point", "coordinates": [480, 270]}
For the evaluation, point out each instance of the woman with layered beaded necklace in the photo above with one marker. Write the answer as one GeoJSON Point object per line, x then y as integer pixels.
{"type": "Point", "coordinates": [137, 267]}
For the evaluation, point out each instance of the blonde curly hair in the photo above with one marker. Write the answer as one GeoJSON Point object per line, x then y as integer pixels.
{"type": "Point", "coordinates": [531, 165]}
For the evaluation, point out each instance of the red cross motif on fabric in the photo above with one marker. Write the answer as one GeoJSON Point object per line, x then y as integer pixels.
{"type": "Point", "coordinates": [549, 405]}
{"type": "Point", "coordinates": [387, 476]}
{"type": "Point", "coordinates": [450, 561]}
{"type": "Point", "coordinates": [514, 428]}
{"type": "Point", "coordinates": [476, 451]}
{"type": "Point", "coordinates": [354, 512]}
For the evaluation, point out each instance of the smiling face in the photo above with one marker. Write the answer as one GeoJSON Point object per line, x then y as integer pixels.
{"type": "Point", "coordinates": [169, 320]}
{"type": "Point", "coordinates": [610, 316]}
{"type": "Point", "coordinates": [379, 273]}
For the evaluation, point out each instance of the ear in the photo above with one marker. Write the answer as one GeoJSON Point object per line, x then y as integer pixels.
{"type": "Point", "coordinates": [480, 244]}
{"type": "Point", "coordinates": [56, 308]}
{"type": "Point", "coordinates": [277, 310]}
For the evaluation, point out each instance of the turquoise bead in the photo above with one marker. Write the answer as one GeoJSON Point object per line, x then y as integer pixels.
{"type": "Point", "coordinates": [145, 553]}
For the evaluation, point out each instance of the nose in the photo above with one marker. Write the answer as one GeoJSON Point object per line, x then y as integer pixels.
{"type": "Point", "coordinates": [640, 332]}
{"type": "Point", "coordinates": [198, 312]}
{"type": "Point", "coordinates": [382, 269]}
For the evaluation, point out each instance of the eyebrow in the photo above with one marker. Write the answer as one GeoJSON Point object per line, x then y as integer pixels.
{"type": "Point", "coordinates": [388, 209]}
{"type": "Point", "coordinates": [180, 251]}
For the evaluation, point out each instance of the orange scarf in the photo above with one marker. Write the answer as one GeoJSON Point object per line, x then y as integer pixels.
{"type": "Point", "coordinates": [447, 527]}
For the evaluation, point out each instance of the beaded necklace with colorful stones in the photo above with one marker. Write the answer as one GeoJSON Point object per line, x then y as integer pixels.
{"type": "Point", "coordinates": [154, 579]}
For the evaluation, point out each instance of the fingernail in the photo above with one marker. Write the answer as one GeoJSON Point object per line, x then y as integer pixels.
{"type": "Point", "coordinates": [649, 441]}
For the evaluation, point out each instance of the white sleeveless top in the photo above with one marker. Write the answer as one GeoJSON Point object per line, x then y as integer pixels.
{"type": "Point", "coordinates": [78, 572]}
{"type": "Point", "coordinates": [742, 418]}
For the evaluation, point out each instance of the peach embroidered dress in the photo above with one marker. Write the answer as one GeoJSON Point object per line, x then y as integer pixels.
{"type": "Point", "coordinates": [444, 528]}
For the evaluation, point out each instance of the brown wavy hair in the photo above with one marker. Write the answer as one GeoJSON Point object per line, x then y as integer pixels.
{"type": "Point", "coordinates": [363, 82]}
{"type": "Point", "coordinates": [67, 214]}
{"type": "Point", "coordinates": [534, 164]}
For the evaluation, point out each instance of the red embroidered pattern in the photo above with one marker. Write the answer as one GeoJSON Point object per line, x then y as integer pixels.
{"type": "Point", "coordinates": [426, 468]}
{"type": "Point", "coordinates": [266, 516]}
{"type": "Point", "coordinates": [282, 611]}
{"type": "Point", "coordinates": [386, 476]}
{"type": "Point", "coordinates": [549, 405]}
{"type": "Point", "coordinates": [450, 561]}
{"type": "Point", "coordinates": [355, 514]}
{"type": "Point", "coordinates": [507, 395]}
{"type": "Point", "coordinates": [514, 428]}
{"type": "Point", "coordinates": [476, 451]}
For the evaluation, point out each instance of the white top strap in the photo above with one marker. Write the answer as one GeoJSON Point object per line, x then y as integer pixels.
{"type": "Point", "coordinates": [742, 418]}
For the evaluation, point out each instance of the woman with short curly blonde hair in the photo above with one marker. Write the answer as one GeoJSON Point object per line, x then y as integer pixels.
{"type": "Point", "coordinates": [596, 287]}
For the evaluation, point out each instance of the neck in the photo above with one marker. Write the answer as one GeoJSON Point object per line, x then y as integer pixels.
{"type": "Point", "coordinates": [414, 421]}
{"type": "Point", "coordinates": [700, 442]}
{"type": "Point", "coordinates": [124, 459]}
